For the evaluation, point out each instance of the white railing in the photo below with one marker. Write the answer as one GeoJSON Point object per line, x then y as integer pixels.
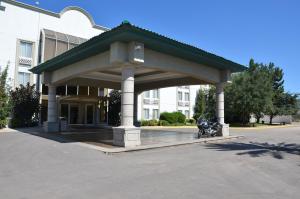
{"type": "Point", "coordinates": [182, 103]}
{"type": "Point", "coordinates": [151, 101]}
{"type": "Point", "coordinates": [25, 61]}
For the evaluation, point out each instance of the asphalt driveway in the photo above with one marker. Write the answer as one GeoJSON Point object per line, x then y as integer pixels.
{"type": "Point", "coordinates": [264, 164]}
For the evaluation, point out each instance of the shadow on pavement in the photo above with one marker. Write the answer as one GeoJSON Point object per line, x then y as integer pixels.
{"type": "Point", "coordinates": [104, 137]}
{"type": "Point", "coordinates": [256, 149]}
{"type": "Point", "coordinates": [92, 136]}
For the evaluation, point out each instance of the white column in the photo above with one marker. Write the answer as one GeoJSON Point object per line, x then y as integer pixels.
{"type": "Point", "coordinates": [52, 104]}
{"type": "Point", "coordinates": [127, 99]}
{"type": "Point", "coordinates": [220, 108]}
{"type": "Point", "coordinates": [220, 102]}
{"type": "Point", "coordinates": [127, 135]}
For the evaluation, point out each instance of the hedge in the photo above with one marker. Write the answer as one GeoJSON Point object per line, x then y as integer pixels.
{"type": "Point", "coordinates": [172, 118]}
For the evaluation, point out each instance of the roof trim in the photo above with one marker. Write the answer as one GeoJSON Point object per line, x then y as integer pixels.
{"type": "Point", "coordinates": [54, 14]}
{"type": "Point", "coordinates": [127, 32]}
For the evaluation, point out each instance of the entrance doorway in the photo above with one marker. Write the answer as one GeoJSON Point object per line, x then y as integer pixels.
{"type": "Point", "coordinates": [74, 111]}
{"type": "Point", "coordinates": [89, 114]}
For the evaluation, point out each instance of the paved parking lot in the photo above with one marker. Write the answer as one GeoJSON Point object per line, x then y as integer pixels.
{"type": "Point", "coordinates": [264, 164]}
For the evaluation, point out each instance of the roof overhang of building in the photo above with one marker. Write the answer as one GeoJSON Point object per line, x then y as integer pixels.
{"type": "Point", "coordinates": [127, 33]}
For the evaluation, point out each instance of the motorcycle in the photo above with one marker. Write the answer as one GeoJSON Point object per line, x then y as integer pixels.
{"type": "Point", "coordinates": [208, 128]}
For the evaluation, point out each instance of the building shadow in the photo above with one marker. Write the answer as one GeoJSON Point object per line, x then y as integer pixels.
{"type": "Point", "coordinates": [257, 149]}
{"type": "Point", "coordinates": [93, 136]}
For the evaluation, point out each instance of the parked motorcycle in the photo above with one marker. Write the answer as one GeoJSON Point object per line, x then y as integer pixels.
{"type": "Point", "coordinates": [208, 128]}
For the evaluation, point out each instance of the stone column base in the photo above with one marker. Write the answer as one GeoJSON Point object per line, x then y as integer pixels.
{"type": "Point", "coordinates": [126, 136]}
{"type": "Point", "coordinates": [51, 127]}
{"type": "Point", "coordinates": [225, 130]}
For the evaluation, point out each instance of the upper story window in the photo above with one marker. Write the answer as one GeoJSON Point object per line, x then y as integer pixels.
{"type": "Point", "coordinates": [155, 94]}
{"type": "Point", "coordinates": [147, 94]}
{"type": "Point", "coordinates": [179, 95]}
{"type": "Point", "coordinates": [25, 49]}
{"type": "Point", "coordinates": [24, 78]}
{"type": "Point", "coordinates": [186, 97]}
{"type": "Point", "coordinates": [155, 114]}
{"type": "Point", "coordinates": [187, 113]}
{"type": "Point", "coordinates": [146, 114]}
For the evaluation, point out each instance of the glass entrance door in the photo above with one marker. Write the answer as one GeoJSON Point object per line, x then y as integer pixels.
{"type": "Point", "coordinates": [89, 114]}
{"type": "Point", "coordinates": [74, 110]}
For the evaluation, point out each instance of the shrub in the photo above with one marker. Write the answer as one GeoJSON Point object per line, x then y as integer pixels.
{"type": "Point", "coordinates": [172, 118]}
{"type": "Point", "coordinates": [25, 106]}
{"type": "Point", "coordinates": [190, 121]}
{"type": "Point", "coordinates": [169, 117]}
{"type": "Point", "coordinates": [163, 123]}
{"type": "Point", "coordinates": [180, 118]}
{"type": "Point", "coordinates": [149, 123]}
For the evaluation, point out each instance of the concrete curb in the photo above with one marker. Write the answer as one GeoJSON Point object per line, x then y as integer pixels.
{"type": "Point", "coordinates": [263, 127]}
{"type": "Point", "coordinates": [155, 146]}
{"type": "Point", "coordinates": [168, 127]}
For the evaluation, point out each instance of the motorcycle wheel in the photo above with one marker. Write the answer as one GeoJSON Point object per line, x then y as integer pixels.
{"type": "Point", "coordinates": [200, 134]}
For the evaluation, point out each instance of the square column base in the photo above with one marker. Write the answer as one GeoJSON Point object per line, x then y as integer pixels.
{"type": "Point", "coordinates": [51, 127]}
{"type": "Point", "coordinates": [225, 130]}
{"type": "Point", "coordinates": [126, 136]}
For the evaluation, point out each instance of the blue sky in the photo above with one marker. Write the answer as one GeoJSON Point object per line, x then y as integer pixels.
{"type": "Point", "coordinates": [266, 30]}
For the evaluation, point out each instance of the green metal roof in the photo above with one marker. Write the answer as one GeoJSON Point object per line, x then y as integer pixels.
{"type": "Point", "coordinates": [127, 32]}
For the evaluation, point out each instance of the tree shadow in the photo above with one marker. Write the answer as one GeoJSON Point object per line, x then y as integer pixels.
{"type": "Point", "coordinates": [257, 149]}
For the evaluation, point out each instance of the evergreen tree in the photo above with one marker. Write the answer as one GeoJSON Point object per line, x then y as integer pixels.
{"type": "Point", "coordinates": [278, 101]}
{"type": "Point", "coordinates": [25, 106]}
{"type": "Point", "coordinates": [4, 110]}
{"type": "Point", "coordinates": [211, 103]}
{"type": "Point", "coordinates": [260, 83]}
{"type": "Point", "coordinates": [200, 104]}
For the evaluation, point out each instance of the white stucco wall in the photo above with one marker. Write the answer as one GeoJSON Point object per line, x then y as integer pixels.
{"type": "Point", "coordinates": [25, 24]}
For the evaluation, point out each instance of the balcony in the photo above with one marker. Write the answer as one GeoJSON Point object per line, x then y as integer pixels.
{"type": "Point", "coordinates": [25, 61]}
{"type": "Point", "coordinates": [183, 104]}
{"type": "Point", "coordinates": [151, 101]}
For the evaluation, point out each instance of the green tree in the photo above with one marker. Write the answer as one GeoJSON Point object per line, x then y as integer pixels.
{"type": "Point", "coordinates": [278, 98]}
{"type": "Point", "coordinates": [200, 104]}
{"type": "Point", "coordinates": [238, 102]}
{"type": "Point", "coordinates": [114, 108]}
{"type": "Point", "coordinates": [4, 107]}
{"type": "Point", "coordinates": [290, 104]}
{"type": "Point", "coordinates": [205, 104]}
{"type": "Point", "coordinates": [25, 106]}
{"type": "Point", "coordinates": [260, 85]}
{"type": "Point", "coordinates": [250, 93]}
{"type": "Point", "coordinates": [211, 103]}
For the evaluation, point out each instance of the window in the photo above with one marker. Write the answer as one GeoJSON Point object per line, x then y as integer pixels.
{"type": "Point", "coordinates": [179, 95]}
{"type": "Point", "coordinates": [155, 94]}
{"type": "Point", "coordinates": [24, 78]}
{"type": "Point", "coordinates": [64, 110]}
{"type": "Point", "coordinates": [155, 114]}
{"type": "Point", "coordinates": [187, 113]}
{"type": "Point", "coordinates": [186, 97]}
{"type": "Point", "coordinates": [146, 113]}
{"type": "Point", "coordinates": [180, 111]}
{"type": "Point", "coordinates": [147, 94]}
{"type": "Point", "coordinates": [25, 49]}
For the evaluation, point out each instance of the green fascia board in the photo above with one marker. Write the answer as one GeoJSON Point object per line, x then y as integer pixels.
{"type": "Point", "coordinates": [126, 33]}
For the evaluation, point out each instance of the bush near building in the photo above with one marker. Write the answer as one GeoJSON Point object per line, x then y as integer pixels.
{"type": "Point", "coordinates": [169, 119]}
{"type": "Point", "coordinates": [25, 106]}
{"type": "Point", "coordinates": [4, 108]}
{"type": "Point", "coordinates": [173, 118]}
